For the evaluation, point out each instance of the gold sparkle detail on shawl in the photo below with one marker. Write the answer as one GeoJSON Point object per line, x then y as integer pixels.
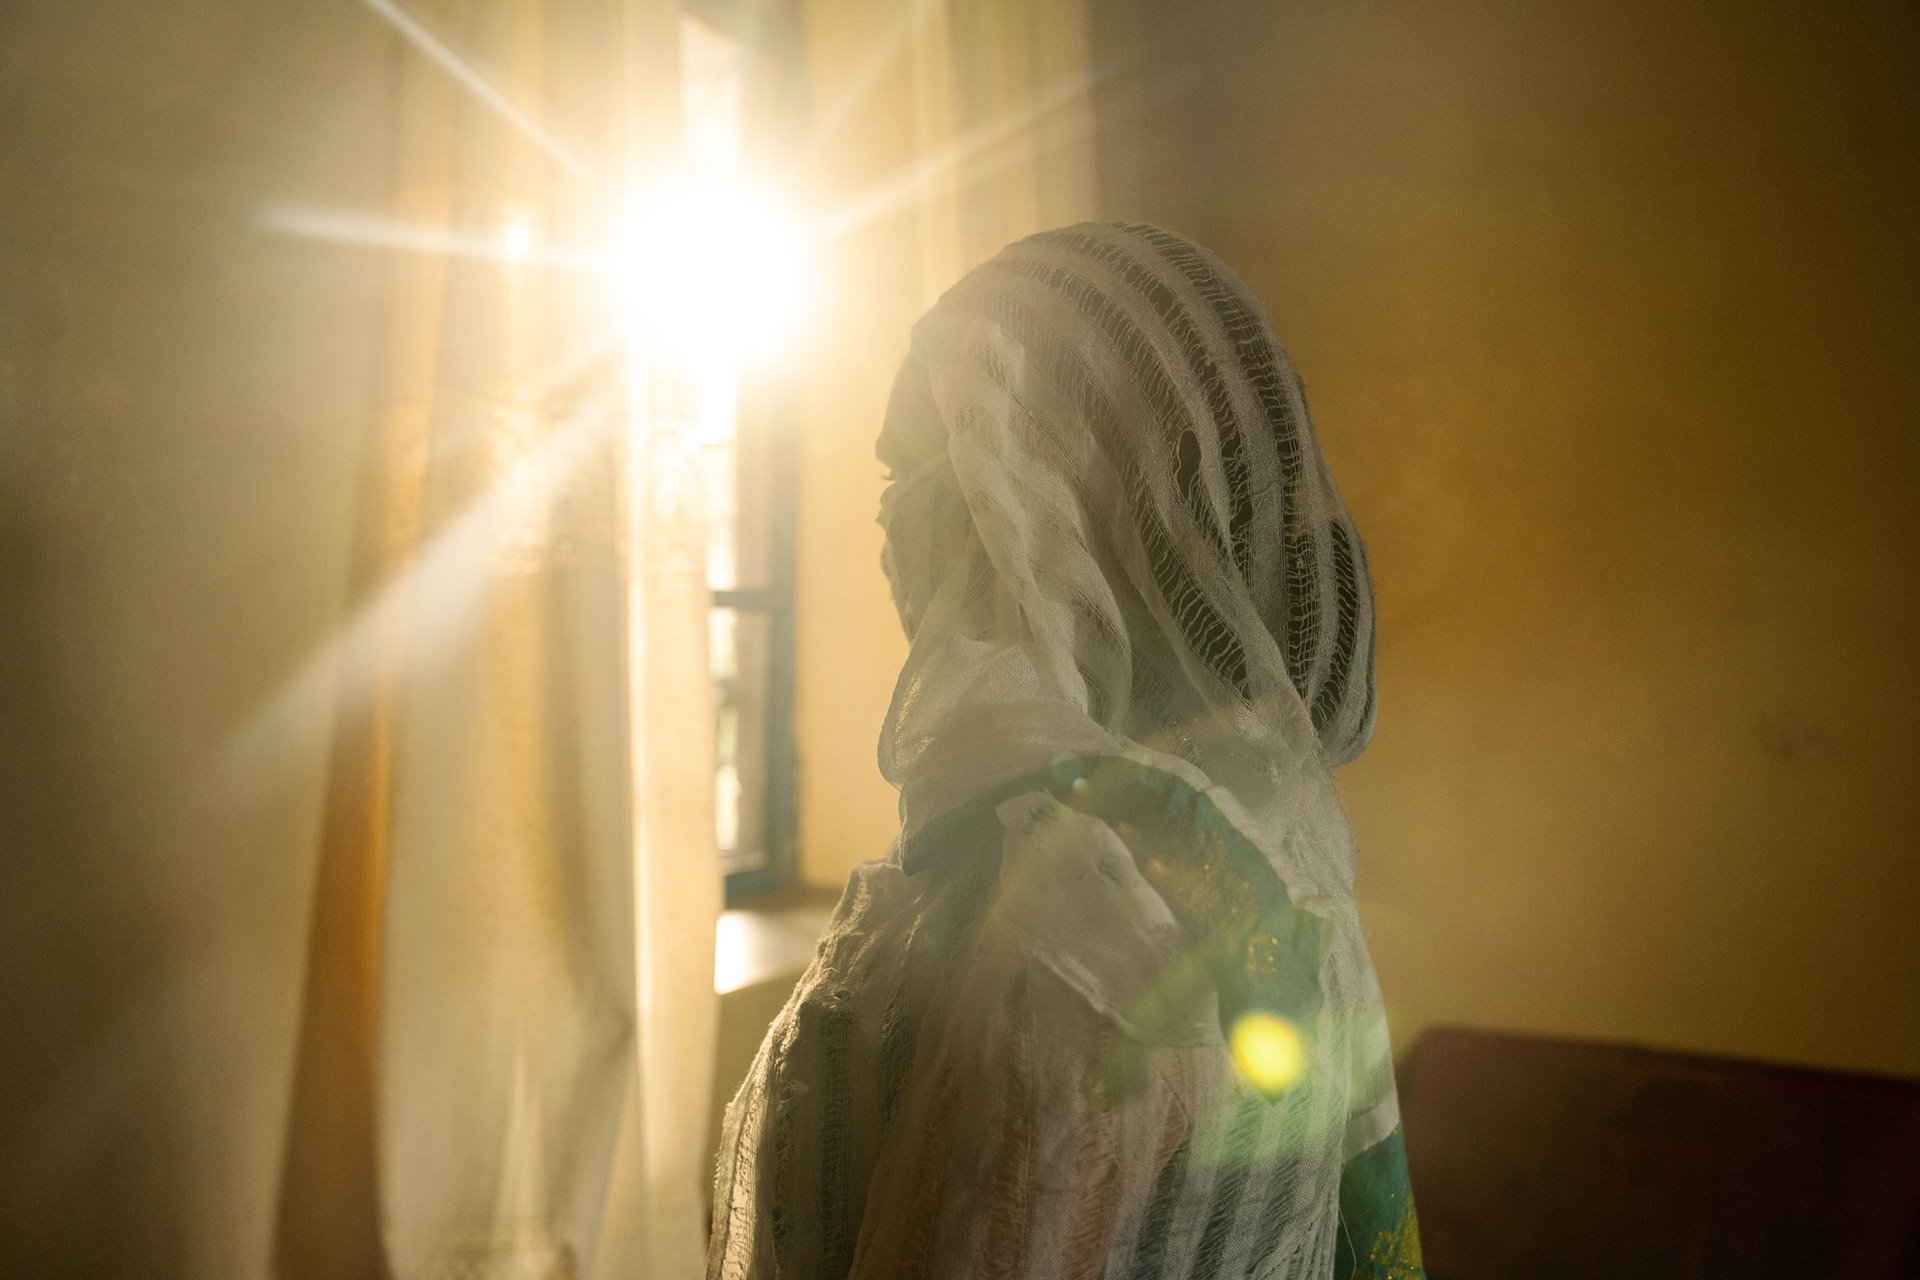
{"type": "Point", "coordinates": [1395, 1254]}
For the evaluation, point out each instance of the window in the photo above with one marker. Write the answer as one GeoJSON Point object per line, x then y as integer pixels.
{"type": "Point", "coordinates": [747, 465]}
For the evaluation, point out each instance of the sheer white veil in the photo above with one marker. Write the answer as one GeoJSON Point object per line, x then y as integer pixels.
{"type": "Point", "coordinates": [1110, 521]}
{"type": "Point", "coordinates": [1111, 532]}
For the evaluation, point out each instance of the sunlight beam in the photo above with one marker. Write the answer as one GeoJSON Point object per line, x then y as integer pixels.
{"type": "Point", "coordinates": [901, 188]}
{"type": "Point", "coordinates": [451, 573]}
{"type": "Point", "coordinates": [333, 226]}
{"type": "Point", "coordinates": [423, 39]}
{"type": "Point", "coordinates": [376, 233]}
{"type": "Point", "coordinates": [860, 85]}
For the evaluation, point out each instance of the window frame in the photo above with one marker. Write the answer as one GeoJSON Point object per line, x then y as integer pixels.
{"type": "Point", "coordinates": [767, 33]}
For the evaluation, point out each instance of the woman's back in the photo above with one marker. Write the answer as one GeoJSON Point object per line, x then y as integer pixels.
{"type": "Point", "coordinates": [1106, 1010]}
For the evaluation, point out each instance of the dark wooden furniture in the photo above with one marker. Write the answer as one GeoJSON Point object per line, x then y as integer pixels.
{"type": "Point", "coordinates": [1552, 1160]}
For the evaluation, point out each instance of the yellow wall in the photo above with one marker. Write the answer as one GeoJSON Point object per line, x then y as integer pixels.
{"type": "Point", "coordinates": [927, 145]}
{"type": "Point", "coordinates": [847, 641]}
{"type": "Point", "coordinates": [1606, 313]}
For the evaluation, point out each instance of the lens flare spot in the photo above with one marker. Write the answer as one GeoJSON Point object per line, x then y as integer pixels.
{"type": "Point", "coordinates": [1269, 1052]}
{"type": "Point", "coordinates": [516, 239]}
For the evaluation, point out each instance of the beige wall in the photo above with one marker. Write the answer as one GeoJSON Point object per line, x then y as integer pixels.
{"type": "Point", "coordinates": [1607, 315]}
{"type": "Point", "coordinates": [924, 121]}
{"type": "Point", "coordinates": [847, 643]}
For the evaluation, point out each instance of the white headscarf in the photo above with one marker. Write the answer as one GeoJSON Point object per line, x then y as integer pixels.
{"type": "Point", "coordinates": [1111, 533]}
{"type": "Point", "coordinates": [1110, 521]}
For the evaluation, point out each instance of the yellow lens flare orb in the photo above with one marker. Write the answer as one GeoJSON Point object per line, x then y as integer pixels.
{"type": "Point", "coordinates": [1269, 1051]}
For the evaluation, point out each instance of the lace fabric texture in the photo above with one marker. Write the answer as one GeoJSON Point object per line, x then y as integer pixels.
{"type": "Point", "coordinates": [1111, 535]}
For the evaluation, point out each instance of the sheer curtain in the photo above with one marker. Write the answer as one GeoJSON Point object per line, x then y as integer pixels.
{"type": "Point", "coordinates": [508, 1014]}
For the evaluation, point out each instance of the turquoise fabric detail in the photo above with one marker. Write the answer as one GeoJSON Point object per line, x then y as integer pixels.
{"type": "Point", "coordinates": [1379, 1231]}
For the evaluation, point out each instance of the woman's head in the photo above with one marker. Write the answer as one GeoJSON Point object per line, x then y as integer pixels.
{"type": "Point", "coordinates": [1108, 522]}
{"type": "Point", "coordinates": [1102, 460]}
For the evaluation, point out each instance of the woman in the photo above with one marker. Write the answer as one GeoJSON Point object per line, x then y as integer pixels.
{"type": "Point", "coordinates": [1106, 1009]}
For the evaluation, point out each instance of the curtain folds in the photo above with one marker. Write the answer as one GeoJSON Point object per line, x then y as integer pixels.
{"type": "Point", "coordinates": [509, 1009]}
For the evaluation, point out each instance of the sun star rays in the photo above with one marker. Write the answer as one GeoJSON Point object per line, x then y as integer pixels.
{"type": "Point", "coordinates": [683, 261]}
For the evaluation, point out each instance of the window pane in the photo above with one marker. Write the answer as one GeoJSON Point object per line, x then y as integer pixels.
{"type": "Point", "coordinates": [740, 640]}
{"type": "Point", "coordinates": [733, 449]}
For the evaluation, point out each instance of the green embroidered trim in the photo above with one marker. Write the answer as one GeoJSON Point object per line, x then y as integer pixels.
{"type": "Point", "coordinates": [1379, 1231]}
